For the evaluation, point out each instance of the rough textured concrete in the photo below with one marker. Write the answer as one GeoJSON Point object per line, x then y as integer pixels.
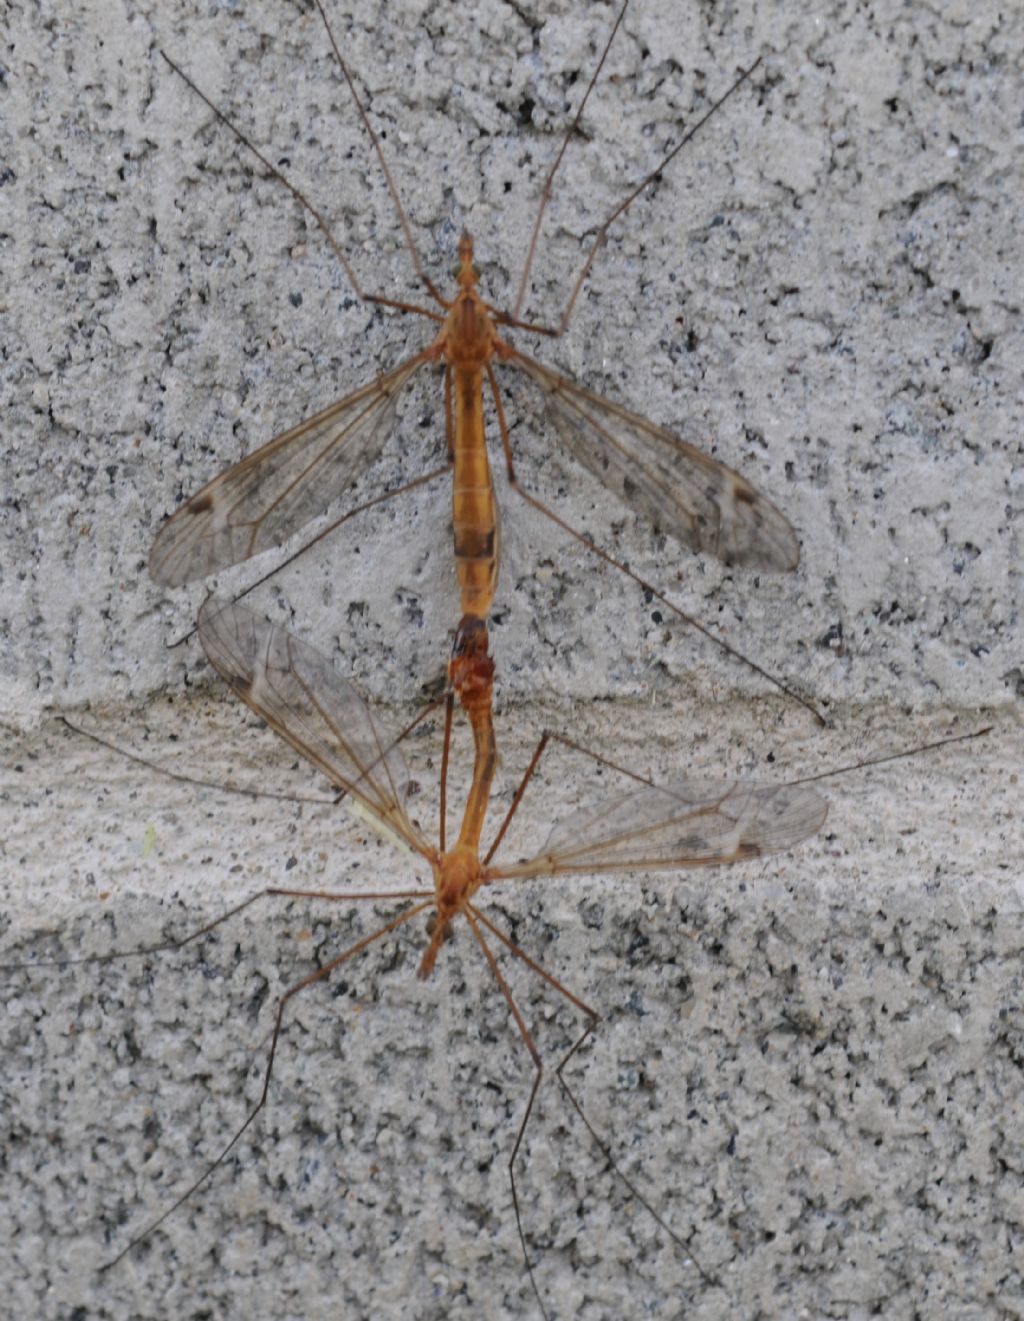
{"type": "Point", "coordinates": [813, 1063]}
{"type": "Point", "coordinates": [824, 288]}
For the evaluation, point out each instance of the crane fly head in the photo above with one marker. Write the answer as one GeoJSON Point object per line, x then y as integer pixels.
{"type": "Point", "coordinates": [466, 272]}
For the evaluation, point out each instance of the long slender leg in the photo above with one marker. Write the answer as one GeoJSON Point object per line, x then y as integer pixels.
{"type": "Point", "coordinates": [167, 946]}
{"type": "Point", "coordinates": [595, 549]}
{"type": "Point", "coordinates": [280, 177]}
{"type": "Point", "coordinates": [562, 324]}
{"type": "Point", "coordinates": [403, 219]}
{"type": "Point", "coordinates": [548, 737]}
{"type": "Point", "coordinates": [538, 1074]}
{"type": "Point", "coordinates": [545, 195]}
{"type": "Point", "coordinates": [398, 306]}
{"type": "Point", "coordinates": [613, 1165]}
{"type": "Point", "coordinates": [282, 1004]}
{"type": "Point", "coordinates": [686, 618]}
{"type": "Point", "coordinates": [201, 783]}
{"type": "Point", "coordinates": [596, 756]}
{"type": "Point", "coordinates": [594, 1021]}
{"type": "Point", "coordinates": [892, 756]}
{"type": "Point", "coordinates": [517, 797]}
{"type": "Point", "coordinates": [195, 780]}
{"type": "Point", "coordinates": [445, 749]}
{"type": "Point", "coordinates": [535, 967]}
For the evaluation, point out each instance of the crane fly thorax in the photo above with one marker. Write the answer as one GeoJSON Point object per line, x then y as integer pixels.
{"type": "Point", "coordinates": [457, 877]}
{"type": "Point", "coordinates": [469, 331]}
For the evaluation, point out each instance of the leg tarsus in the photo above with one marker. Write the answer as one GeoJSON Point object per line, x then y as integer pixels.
{"type": "Point", "coordinates": [687, 619]}
{"type": "Point", "coordinates": [612, 1164]}
{"type": "Point", "coordinates": [315, 976]}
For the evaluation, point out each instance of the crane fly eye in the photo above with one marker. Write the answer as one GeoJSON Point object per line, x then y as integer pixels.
{"type": "Point", "coordinates": [456, 270]}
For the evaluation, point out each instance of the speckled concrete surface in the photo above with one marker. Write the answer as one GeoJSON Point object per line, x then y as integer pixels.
{"type": "Point", "coordinates": [824, 289]}
{"type": "Point", "coordinates": [812, 1064]}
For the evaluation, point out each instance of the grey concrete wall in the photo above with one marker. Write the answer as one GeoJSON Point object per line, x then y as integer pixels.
{"type": "Point", "coordinates": [812, 1063]}
{"type": "Point", "coordinates": [823, 289]}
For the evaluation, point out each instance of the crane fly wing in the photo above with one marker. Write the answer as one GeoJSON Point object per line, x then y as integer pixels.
{"type": "Point", "coordinates": [300, 694]}
{"type": "Point", "coordinates": [261, 501]}
{"type": "Point", "coordinates": [695, 824]}
{"type": "Point", "coordinates": [682, 490]}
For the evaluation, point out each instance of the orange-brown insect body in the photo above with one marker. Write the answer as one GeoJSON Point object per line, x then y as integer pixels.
{"type": "Point", "coordinates": [468, 343]}
{"type": "Point", "coordinates": [459, 873]}
{"type": "Point", "coordinates": [260, 502]}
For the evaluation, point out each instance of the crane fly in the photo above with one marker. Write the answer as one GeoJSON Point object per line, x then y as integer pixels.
{"type": "Point", "coordinates": [262, 501]}
{"type": "Point", "coordinates": [643, 828]}
{"type": "Point", "coordinates": [298, 692]}
{"type": "Point", "coordinates": [341, 737]}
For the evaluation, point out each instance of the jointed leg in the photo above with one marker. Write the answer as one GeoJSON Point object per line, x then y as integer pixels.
{"type": "Point", "coordinates": [282, 1003]}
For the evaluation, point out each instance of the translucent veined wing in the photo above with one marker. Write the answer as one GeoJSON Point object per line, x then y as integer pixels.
{"type": "Point", "coordinates": [300, 694]}
{"type": "Point", "coordinates": [695, 824]}
{"type": "Point", "coordinates": [682, 490]}
{"type": "Point", "coordinates": [261, 501]}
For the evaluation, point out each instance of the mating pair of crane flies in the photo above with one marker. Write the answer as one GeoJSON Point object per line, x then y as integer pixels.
{"type": "Point", "coordinates": [262, 501]}
{"type": "Point", "coordinates": [642, 828]}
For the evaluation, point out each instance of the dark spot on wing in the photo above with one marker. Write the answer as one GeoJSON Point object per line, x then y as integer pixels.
{"type": "Point", "coordinates": [200, 504]}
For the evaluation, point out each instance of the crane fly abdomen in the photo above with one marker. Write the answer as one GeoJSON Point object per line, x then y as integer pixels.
{"type": "Point", "coordinates": [470, 340]}
{"type": "Point", "coordinates": [474, 508]}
